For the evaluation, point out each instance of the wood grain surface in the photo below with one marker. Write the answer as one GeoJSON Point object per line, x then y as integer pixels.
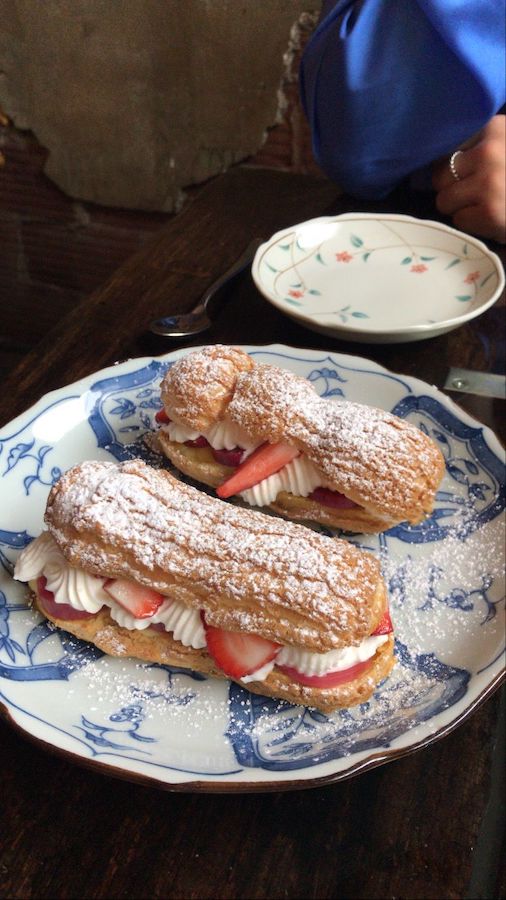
{"type": "Point", "coordinates": [427, 825]}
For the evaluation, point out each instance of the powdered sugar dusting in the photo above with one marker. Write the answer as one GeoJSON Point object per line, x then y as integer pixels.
{"type": "Point", "coordinates": [164, 697]}
{"type": "Point", "coordinates": [366, 453]}
{"type": "Point", "coordinates": [197, 389]}
{"type": "Point", "coordinates": [443, 606]}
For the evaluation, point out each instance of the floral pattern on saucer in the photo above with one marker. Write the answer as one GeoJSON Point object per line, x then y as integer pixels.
{"type": "Point", "coordinates": [401, 278]}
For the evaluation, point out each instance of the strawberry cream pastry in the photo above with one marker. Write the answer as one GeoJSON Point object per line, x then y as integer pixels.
{"type": "Point", "coordinates": [263, 434]}
{"type": "Point", "coordinates": [143, 565]}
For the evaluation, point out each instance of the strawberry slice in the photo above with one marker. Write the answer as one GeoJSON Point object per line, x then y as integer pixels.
{"type": "Point", "coordinates": [331, 498]}
{"type": "Point", "coordinates": [385, 625]}
{"type": "Point", "coordinates": [201, 441]}
{"type": "Point", "coordinates": [58, 610]}
{"type": "Point", "coordinates": [161, 417]}
{"type": "Point", "coordinates": [238, 654]}
{"type": "Point", "coordinates": [266, 460]}
{"type": "Point", "coordinates": [142, 602]}
{"type": "Point", "coordinates": [230, 458]}
{"type": "Point", "coordinates": [331, 679]}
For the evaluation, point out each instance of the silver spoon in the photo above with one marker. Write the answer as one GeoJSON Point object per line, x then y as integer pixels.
{"type": "Point", "coordinates": [186, 324]}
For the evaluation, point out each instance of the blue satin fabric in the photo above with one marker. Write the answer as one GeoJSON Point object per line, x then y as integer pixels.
{"type": "Point", "coordinates": [391, 85]}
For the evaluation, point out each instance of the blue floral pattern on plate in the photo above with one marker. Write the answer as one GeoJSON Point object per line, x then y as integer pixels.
{"type": "Point", "coordinates": [445, 578]}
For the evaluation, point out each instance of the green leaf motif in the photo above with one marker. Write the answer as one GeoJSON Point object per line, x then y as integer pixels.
{"type": "Point", "coordinates": [406, 260]}
{"type": "Point", "coordinates": [270, 267]}
{"type": "Point", "coordinates": [298, 285]}
{"type": "Point", "coordinates": [464, 297]}
{"type": "Point", "coordinates": [356, 241]}
{"type": "Point", "coordinates": [464, 249]}
{"type": "Point", "coordinates": [284, 246]}
{"type": "Point", "coordinates": [314, 291]}
{"type": "Point", "coordinates": [427, 258]}
{"type": "Point", "coordinates": [360, 315]}
{"type": "Point", "coordinates": [320, 260]}
{"type": "Point", "coordinates": [292, 302]}
{"type": "Point", "coordinates": [486, 279]}
{"type": "Point", "coordinates": [365, 256]}
{"type": "Point", "coordinates": [454, 262]}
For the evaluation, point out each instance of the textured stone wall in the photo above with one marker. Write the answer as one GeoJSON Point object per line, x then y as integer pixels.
{"type": "Point", "coordinates": [136, 99]}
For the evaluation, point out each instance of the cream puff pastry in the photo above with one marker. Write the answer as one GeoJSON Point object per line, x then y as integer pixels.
{"type": "Point", "coordinates": [262, 433]}
{"type": "Point", "coordinates": [144, 565]}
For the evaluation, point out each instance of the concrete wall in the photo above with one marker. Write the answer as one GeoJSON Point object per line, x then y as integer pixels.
{"type": "Point", "coordinates": [135, 99]}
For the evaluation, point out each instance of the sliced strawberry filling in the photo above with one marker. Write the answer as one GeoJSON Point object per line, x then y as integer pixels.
{"type": "Point", "coordinates": [163, 419]}
{"type": "Point", "coordinates": [230, 458]}
{"type": "Point", "coordinates": [330, 679]}
{"type": "Point", "coordinates": [332, 498]}
{"type": "Point", "coordinates": [158, 626]}
{"type": "Point", "coordinates": [385, 625]}
{"type": "Point", "coordinates": [238, 654]}
{"type": "Point", "coordinates": [200, 441]}
{"type": "Point", "coordinates": [142, 602]}
{"type": "Point", "coordinates": [58, 610]}
{"type": "Point", "coordinates": [265, 461]}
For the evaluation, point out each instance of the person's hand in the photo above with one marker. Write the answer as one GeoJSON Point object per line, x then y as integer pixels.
{"type": "Point", "coordinates": [477, 201]}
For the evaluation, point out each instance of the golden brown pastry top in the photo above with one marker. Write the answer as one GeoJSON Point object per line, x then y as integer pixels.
{"type": "Point", "coordinates": [378, 460]}
{"type": "Point", "coordinates": [246, 570]}
{"type": "Point", "coordinates": [198, 395]}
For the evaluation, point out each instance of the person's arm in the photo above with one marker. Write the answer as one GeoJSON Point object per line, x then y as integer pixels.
{"type": "Point", "coordinates": [476, 198]}
{"type": "Point", "coordinates": [389, 86]}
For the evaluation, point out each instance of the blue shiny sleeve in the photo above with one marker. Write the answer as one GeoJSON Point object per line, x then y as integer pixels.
{"type": "Point", "coordinates": [388, 86]}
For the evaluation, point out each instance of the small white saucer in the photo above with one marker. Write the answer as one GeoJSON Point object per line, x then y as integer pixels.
{"type": "Point", "coordinates": [377, 278]}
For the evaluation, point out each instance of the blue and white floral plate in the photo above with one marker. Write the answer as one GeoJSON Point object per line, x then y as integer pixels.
{"type": "Point", "coordinates": [181, 730]}
{"type": "Point", "coordinates": [378, 278]}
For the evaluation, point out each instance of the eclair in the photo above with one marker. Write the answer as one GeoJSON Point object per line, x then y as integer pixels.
{"type": "Point", "coordinates": [263, 434]}
{"type": "Point", "coordinates": [143, 565]}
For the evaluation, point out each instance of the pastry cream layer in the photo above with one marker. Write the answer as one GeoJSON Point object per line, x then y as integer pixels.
{"type": "Point", "coordinates": [85, 592]}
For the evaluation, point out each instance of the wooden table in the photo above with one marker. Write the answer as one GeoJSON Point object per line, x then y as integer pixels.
{"type": "Point", "coordinates": [426, 825]}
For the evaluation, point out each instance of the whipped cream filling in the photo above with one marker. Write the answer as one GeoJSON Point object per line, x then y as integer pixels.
{"type": "Point", "coordinates": [224, 435]}
{"type": "Point", "coordinates": [184, 623]}
{"type": "Point", "coordinates": [298, 477]}
{"type": "Point", "coordinates": [85, 592]}
{"type": "Point", "coordinates": [72, 586]}
{"type": "Point", "coordinates": [333, 660]}
{"type": "Point", "coordinates": [308, 663]}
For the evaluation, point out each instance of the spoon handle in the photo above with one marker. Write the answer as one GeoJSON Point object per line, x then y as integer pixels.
{"type": "Point", "coordinates": [240, 263]}
{"type": "Point", "coordinates": [194, 322]}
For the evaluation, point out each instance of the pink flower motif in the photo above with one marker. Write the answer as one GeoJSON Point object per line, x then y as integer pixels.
{"type": "Point", "coordinates": [419, 267]}
{"type": "Point", "coordinates": [344, 256]}
{"type": "Point", "coordinates": [472, 277]}
{"type": "Point", "coordinates": [296, 293]}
